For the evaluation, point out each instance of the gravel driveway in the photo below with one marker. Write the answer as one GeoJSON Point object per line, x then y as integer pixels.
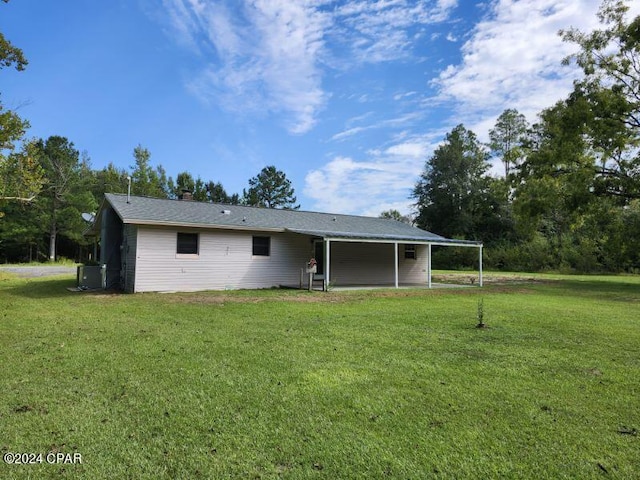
{"type": "Point", "coordinates": [39, 271]}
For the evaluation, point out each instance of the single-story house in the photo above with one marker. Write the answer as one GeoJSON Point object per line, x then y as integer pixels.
{"type": "Point", "coordinates": [151, 244]}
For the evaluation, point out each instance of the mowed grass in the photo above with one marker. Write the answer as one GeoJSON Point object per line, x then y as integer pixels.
{"type": "Point", "coordinates": [287, 384]}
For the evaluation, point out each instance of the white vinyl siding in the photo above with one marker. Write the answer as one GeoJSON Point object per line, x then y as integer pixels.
{"type": "Point", "coordinates": [413, 271]}
{"type": "Point", "coordinates": [410, 251]}
{"type": "Point", "coordinates": [225, 261]}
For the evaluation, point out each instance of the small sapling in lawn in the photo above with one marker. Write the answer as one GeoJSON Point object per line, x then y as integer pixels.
{"type": "Point", "coordinates": [481, 323]}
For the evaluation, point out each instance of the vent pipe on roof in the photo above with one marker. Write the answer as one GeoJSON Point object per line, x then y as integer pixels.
{"type": "Point", "coordinates": [129, 189]}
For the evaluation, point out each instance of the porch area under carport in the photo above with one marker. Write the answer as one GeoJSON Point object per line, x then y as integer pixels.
{"type": "Point", "coordinates": [369, 262]}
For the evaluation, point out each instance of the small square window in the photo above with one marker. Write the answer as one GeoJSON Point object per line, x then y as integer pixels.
{"type": "Point", "coordinates": [410, 251]}
{"type": "Point", "coordinates": [262, 246]}
{"type": "Point", "coordinates": [187, 243]}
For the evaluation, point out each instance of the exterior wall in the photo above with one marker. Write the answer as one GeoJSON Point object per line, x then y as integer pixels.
{"type": "Point", "coordinates": [413, 270]}
{"type": "Point", "coordinates": [224, 260]}
{"type": "Point", "coordinates": [129, 243]}
{"type": "Point", "coordinates": [354, 263]}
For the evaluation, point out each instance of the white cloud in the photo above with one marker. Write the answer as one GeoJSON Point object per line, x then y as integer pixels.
{"type": "Point", "coordinates": [345, 185]}
{"type": "Point", "coordinates": [384, 180]}
{"type": "Point", "coordinates": [513, 58]}
{"type": "Point", "coordinates": [408, 149]}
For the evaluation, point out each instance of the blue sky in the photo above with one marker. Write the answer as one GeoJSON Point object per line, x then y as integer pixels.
{"type": "Point", "coordinates": [348, 98]}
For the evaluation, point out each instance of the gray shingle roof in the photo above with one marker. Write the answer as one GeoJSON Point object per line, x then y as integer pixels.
{"type": "Point", "coordinates": [155, 211]}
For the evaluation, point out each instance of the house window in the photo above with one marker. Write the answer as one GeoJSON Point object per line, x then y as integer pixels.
{"type": "Point", "coordinates": [187, 243]}
{"type": "Point", "coordinates": [262, 246]}
{"type": "Point", "coordinates": [410, 251]}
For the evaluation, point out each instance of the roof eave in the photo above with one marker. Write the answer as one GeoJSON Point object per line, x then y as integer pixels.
{"type": "Point", "coordinates": [209, 226]}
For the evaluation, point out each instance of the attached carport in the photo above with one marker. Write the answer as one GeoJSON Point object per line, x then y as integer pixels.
{"type": "Point", "coordinates": [427, 239]}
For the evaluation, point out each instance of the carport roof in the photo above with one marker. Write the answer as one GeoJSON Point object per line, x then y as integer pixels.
{"type": "Point", "coordinates": [181, 213]}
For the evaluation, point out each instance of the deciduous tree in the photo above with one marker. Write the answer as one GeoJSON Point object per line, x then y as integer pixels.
{"type": "Point", "coordinates": [21, 175]}
{"type": "Point", "coordinates": [20, 178]}
{"type": "Point", "coordinates": [610, 59]}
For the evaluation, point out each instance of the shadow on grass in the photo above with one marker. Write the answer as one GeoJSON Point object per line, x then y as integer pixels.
{"type": "Point", "coordinates": [52, 287]}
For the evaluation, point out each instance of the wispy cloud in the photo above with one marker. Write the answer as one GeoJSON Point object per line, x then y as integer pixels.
{"type": "Point", "coordinates": [350, 132]}
{"type": "Point", "coordinates": [260, 56]}
{"type": "Point", "coordinates": [404, 95]}
{"type": "Point", "coordinates": [380, 31]}
{"type": "Point", "coordinates": [400, 121]}
{"type": "Point", "coordinates": [270, 56]}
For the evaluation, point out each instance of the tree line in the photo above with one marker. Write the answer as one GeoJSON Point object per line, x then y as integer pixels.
{"type": "Point", "coordinates": [49, 224]}
{"type": "Point", "coordinates": [569, 198]}
{"type": "Point", "coordinates": [570, 195]}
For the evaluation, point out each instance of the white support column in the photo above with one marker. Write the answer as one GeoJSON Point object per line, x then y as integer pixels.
{"type": "Point", "coordinates": [480, 269]}
{"type": "Point", "coordinates": [395, 262]}
{"type": "Point", "coordinates": [327, 263]}
{"type": "Point", "coordinates": [429, 265]}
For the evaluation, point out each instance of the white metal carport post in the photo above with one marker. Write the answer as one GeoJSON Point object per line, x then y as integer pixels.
{"type": "Point", "coordinates": [327, 263]}
{"type": "Point", "coordinates": [480, 267]}
{"type": "Point", "coordinates": [429, 265]}
{"type": "Point", "coordinates": [395, 262]}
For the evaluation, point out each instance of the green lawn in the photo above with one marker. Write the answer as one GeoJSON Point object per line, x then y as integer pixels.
{"type": "Point", "coordinates": [287, 384]}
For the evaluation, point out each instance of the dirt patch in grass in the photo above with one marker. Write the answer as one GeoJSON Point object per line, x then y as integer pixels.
{"type": "Point", "coordinates": [219, 298]}
{"type": "Point", "coordinates": [222, 298]}
{"type": "Point", "coordinates": [491, 279]}
{"type": "Point", "coordinates": [497, 284]}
